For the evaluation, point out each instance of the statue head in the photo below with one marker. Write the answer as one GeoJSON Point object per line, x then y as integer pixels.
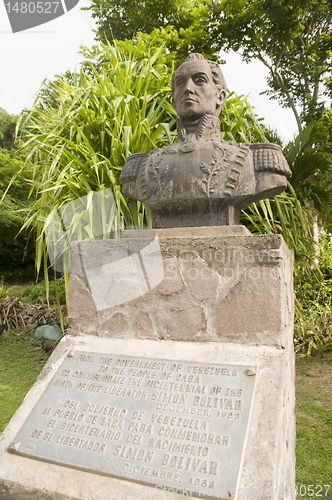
{"type": "Point", "coordinates": [198, 88]}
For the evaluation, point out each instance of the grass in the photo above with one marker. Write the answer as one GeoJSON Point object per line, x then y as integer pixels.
{"type": "Point", "coordinates": [21, 361]}
{"type": "Point", "coordinates": [22, 358]}
{"type": "Point", "coordinates": [32, 292]}
{"type": "Point", "coordinates": [314, 422]}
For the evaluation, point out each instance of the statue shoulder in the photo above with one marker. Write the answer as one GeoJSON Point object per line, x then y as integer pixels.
{"type": "Point", "coordinates": [130, 169]}
{"type": "Point", "coordinates": [129, 174]}
{"type": "Point", "coordinates": [268, 157]}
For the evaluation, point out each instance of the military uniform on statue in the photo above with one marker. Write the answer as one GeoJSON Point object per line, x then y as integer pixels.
{"type": "Point", "coordinates": [201, 180]}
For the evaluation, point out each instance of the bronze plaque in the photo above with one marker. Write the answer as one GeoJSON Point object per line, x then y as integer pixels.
{"type": "Point", "coordinates": [175, 425]}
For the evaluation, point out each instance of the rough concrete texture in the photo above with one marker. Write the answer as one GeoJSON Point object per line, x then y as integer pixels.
{"type": "Point", "coordinates": [206, 284]}
{"type": "Point", "coordinates": [14, 492]}
{"type": "Point", "coordinates": [268, 465]}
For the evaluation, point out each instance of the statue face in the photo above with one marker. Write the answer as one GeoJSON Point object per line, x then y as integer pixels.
{"type": "Point", "coordinates": [195, 92]}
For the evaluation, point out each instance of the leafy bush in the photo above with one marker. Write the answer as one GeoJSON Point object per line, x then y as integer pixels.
{"type": "Point", "coordinates": [313, 318]}
{"type": "Point", "coordinates": [16, 251]}
{"type": "Point", "coordinates": [3, 288]}
{"type": "Point", "coordinates": [35, 291]}
{"type": "Point", "coordinates": [7, 130]}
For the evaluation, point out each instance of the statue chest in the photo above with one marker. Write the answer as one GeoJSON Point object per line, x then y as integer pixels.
{"type": "Point", "coordinates": [186, 170]}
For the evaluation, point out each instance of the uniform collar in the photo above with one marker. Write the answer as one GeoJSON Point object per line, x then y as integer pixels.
{"type": "Point", "coordinates": [206, 128]}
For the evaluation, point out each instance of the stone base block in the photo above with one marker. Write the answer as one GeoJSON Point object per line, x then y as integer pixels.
{"type": "Point", "coordinates": [268, 460]}
{"type": "Point", "coordinates": [216, 284]}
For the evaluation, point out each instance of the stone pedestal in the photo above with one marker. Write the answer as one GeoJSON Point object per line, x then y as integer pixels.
{"type": "Point", "coordinates": [209, 295]}
{"type": "Point", "coordinates": [218, 284]}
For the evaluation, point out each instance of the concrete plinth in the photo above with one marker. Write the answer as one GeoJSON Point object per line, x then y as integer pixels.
{"type": "Point", "coordinates": [223, 297]}
{"type": "Point", "coordinates": [218, 285]}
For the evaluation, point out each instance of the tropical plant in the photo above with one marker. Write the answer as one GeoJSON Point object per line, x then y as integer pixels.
{"type": "Point", "coordinates": [4, 290]}
{"type": "Point", "coordinates": [7, 130]}
{"type": "Point", "coordinates": [81, 129]}
{"type": "Point", "coordinates": [239, 122]}
{"type": "Point", "coordinates": [311, 172]}
{"type": "Point", "coordinates": [324, 142]}
{"type": "Point", "coordinates": [181, 26]}
{"type": "Point", "coordinates": [284, 214]}
{"type": "Point", "coordinates": [15, 249]}
{"type": "Point", "coordinates": [313, 321]}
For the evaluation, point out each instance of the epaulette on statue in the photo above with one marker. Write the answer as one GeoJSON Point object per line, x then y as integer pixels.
{"type": "Point", "coordinates": [129, 174]}
{"type": "Point", "coordinates": [268, 157]}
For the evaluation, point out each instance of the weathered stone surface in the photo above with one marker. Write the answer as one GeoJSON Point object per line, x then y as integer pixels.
{"type": "Point", "coordinates": [80, 300]}
{"type": "Point", "coordinates": [202, 281]}
{"type": "Point", "coordinates": [172, 282]}
{"type": "Point", "coordinates": [117, 327]}
{"type": "Point", "coordinates": [181, 323]}
{"type": "Point", "coordinates": [241, 286]}
{"type": "Point", "coordinates": [145, 326]}
{"type": "Point", "coordinates": [201, 231]}
{"type": "Point", "coordinates": [252, 305]}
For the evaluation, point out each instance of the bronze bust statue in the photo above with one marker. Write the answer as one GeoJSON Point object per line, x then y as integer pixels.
{"type": "Point", "coordinates": [201, 180]}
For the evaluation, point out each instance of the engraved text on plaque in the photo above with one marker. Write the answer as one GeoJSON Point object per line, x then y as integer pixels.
{"type": "Point", "coordinates": [175, 424]}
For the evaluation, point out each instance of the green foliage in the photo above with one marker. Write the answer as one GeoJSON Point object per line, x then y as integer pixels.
{"type": "Point", "coordinates": [283, 214]}
{"type": "Point", "coordinates": [313, 320]}
{"type": "Point", "coordinates": [291, 38]}
{"type": "Point", "coordinates": [313, 325]}
{"type": "Point", "coordinates": [3, 288]}
{"type": "Point", "coordinates": [180, 25]}
{"type": "Point", "coordinates": [15, 250]}
{"type": "Point", "coordinates": [11, 165]}
{"type": "Point", "coordinates": [311, 172]}
{"type": "Point", "coordinates": [33, 292]}
{"type": "Point", "coordinates": [98, 58]}
{"type": "Point", "coordinates": [272, 135]}
{"type": "Point", "coordinates": [239, 122]}
{"type": "Point", "coordinates": [7, 130]}
{"type": "Point", "coordinates": [178, 45]}
{"type": "Point", "coordinates": [323, 141]}
{"type": "Point", "coordinates": [16, 198]}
